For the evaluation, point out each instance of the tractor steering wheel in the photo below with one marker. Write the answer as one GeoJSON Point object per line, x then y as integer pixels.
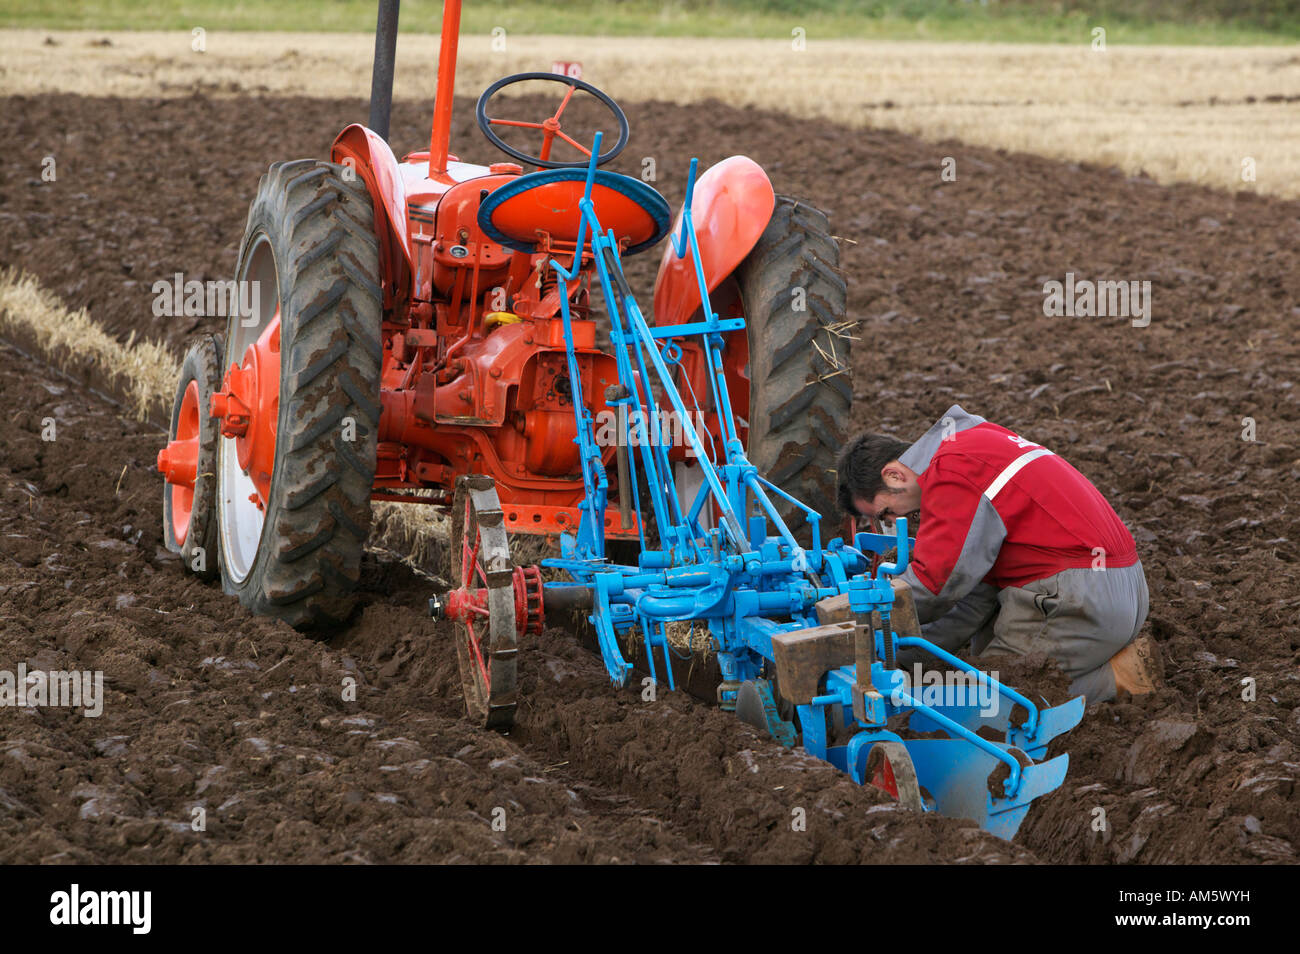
{"type": "Point", "coordinates": [550, 127]}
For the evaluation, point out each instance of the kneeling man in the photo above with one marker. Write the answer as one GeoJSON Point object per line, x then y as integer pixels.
{"type": "Point", "coordinates": [1016, 551]}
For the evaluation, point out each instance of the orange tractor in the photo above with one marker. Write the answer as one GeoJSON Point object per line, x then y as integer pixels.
{"type": "Point", "coordinates": [402, 330]}
{"type": "Point", "coordinates": [425, 330]}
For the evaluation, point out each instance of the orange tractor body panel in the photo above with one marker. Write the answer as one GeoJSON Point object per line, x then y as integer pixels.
{"type": "Point", "coordinates": [733, 204]}
{"type": "Point", "coordinates": [369, 156]}
{"type": "Point", "coordinates": [474, 377]}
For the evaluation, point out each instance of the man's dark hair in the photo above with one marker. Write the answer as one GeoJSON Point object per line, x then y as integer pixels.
{"type": "Point", "coordinates": [859, 466]}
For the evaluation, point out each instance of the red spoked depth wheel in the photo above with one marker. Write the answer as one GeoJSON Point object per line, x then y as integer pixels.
{"type": "Point", "coordinates": [486, 632]}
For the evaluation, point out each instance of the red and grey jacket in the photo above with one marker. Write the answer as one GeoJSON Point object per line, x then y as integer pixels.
{"type": "Point", "coordinates": [998, 508]}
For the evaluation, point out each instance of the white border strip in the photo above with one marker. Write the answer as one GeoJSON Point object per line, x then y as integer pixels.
{"type": "Point", "coordinates": [1013, 468]}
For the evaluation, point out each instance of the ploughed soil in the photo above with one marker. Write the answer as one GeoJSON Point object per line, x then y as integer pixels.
{"type": "Point", "coordinates": [355, 749]}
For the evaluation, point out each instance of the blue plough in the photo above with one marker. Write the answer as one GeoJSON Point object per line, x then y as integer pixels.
{"type": "Point", "coordinates": [726, 561]}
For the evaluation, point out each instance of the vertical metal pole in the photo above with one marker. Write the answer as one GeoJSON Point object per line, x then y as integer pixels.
{"type": "Point", "coordinates": [381, 79]}
{"type": "Point", "coordinates": [441, 135]}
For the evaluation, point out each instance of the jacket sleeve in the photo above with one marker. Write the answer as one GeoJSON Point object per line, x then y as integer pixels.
{"type": "Point", "coordinates": [957, 543]}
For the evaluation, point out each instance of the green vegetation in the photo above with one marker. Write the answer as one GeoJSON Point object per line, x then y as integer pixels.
{"type": "Point", "coordinates": [1063, 21]}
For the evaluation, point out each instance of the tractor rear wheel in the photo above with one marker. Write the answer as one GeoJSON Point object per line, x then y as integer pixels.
{"type": "Point", "coordinates": [794, 302]}
{"type": "Point", "coordinates": [293, 521]}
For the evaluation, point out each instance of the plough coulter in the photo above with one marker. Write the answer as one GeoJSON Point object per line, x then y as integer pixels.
{"type": "Point", "coordinates": [425, 330]}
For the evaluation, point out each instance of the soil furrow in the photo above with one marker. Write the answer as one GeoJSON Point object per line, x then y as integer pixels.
{"type": "Point", "coordinates": [206, 707]}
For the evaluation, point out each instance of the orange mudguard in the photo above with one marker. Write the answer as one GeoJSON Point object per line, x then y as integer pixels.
{"type": "Point", "coordinates": [375, 163]}
{"type": "Point", "coordinates": [732, 205]}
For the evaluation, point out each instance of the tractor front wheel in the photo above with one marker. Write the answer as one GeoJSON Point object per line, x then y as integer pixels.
{"type": "Point", "coordinates": [300, 402]}
{"type": "Point", "coordinates": [189, 462]}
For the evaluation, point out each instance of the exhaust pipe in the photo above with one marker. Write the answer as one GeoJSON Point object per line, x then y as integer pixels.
{"type": "Point", "coordinates": [381, 80]}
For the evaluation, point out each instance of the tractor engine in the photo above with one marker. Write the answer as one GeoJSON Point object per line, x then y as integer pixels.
{"type": "Point", "coordinates": [474, 373]}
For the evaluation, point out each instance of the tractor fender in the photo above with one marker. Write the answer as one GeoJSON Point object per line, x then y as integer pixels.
{"type": "Point", "coordinates": [367, 153]}
{"type": "Point", "coordinates": [732, 205]}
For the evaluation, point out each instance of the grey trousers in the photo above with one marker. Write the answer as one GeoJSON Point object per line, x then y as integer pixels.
{"type": "Point", "coordinates": [1080, 618]}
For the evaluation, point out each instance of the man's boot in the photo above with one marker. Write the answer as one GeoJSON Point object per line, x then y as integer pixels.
{"type": "Point", "coordinates": [1138, 669]}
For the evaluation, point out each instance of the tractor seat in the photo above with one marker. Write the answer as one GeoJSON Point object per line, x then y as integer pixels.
{"type": "Point", "coordinates": [514, 213]}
